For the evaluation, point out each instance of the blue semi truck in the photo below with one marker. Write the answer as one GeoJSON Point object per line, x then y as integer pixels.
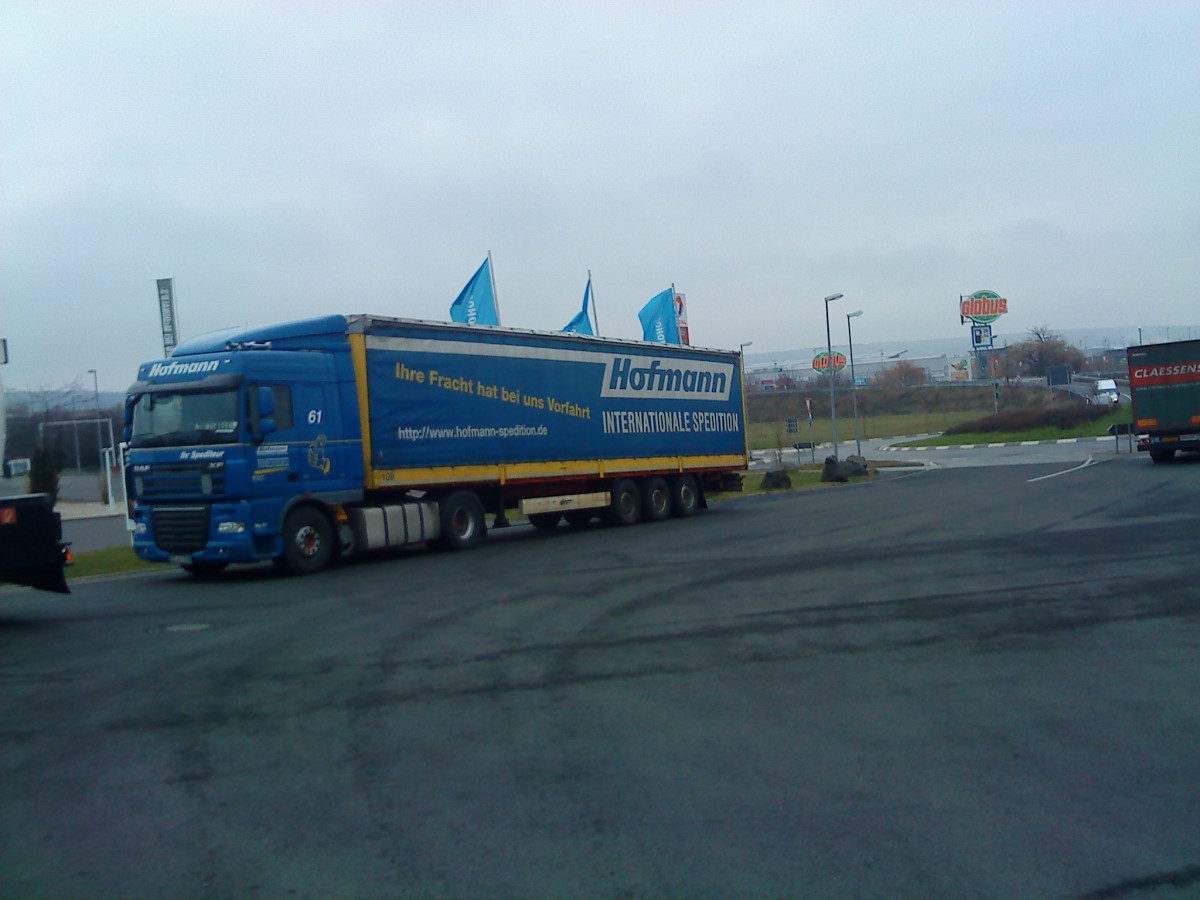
{"type": "Point", "coordinates": [304, 441]}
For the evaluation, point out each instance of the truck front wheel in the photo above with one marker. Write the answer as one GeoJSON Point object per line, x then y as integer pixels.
{"type": "Point", "coordinates": [463, 524]}
{"type": "Point", "coordinates": [307, 542]}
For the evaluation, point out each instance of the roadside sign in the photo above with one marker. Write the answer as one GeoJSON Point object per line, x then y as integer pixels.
{"type": "Point", "coordinates": [982, 307]}
{"type": "Point", "coordinates": [824, 362]}
{"type": "Point", "coordinates": [981, 337]}
{"type": "Point", "coordinates": [792, 426]}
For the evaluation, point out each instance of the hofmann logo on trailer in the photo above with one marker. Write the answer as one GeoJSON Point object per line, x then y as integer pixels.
{"type": "Point", "coordinates": [160, 370]}
{"type": "Point", "coordinates": [635, 376]}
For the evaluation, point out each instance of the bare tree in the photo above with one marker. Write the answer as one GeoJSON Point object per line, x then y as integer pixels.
{"type": "Point", "coordinates": [902, 374]}
{"type": "Point", "coordinates": [1044, 348]}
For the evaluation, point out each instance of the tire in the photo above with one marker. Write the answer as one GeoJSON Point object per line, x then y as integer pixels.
{"type": "Point", "coordinates": [1162, 456]}
{"type": "Point", "coordinates": [308, 544]}
{"type": "Point", "coordinates": [685, 496]}
{"type": "Point", "coordinates": [577, 518]}
{"type": "Point", "coordinates": [544, 521]}
{"type": "Point", "coordinates": [205, 569]}
{"type": "Point", "coordinates": [656, 500]}
{"type": "Point", "coordinates": [626, 505]}
{"type": "Point", "coordinates": [463, 523]}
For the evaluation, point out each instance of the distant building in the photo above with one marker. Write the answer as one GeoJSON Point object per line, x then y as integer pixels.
{"type": "Point", "coordinates": [778, 376]}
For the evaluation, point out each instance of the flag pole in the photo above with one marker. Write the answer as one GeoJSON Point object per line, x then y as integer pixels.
{"type": "Point", "coordinates": [495, 292]}
{"type": "Point", "coordinates": [595, 314]}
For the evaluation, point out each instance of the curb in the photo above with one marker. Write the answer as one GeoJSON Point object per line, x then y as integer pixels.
{"type": "Point", "coordinates": [69, 511]}
{"type": "Point", "coordinates": [1082, 440]}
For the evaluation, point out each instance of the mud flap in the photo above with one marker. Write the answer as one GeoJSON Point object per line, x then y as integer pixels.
{"type": "Point", "coordinates": [32, 551]}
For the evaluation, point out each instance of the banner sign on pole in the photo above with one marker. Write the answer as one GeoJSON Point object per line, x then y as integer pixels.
{"type": "Point", "coordinates": [166, 309]}
{"type": "Point", "coordinates": [681, 322]}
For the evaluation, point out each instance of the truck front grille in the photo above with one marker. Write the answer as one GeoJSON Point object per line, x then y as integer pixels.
{"type": "Point", "coordinates": [180, 480]}
{"type": "Point", "coordinates": [180, 529]}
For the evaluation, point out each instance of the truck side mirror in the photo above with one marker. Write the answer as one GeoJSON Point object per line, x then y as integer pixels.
{"type": "Point", "coordinates": [265, 399]}
{"type": "Point", "coordinates": [127, 429]}
{"type": "Point", "coordinates": [266, 402]}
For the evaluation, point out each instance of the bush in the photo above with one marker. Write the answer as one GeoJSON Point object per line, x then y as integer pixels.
{"type": "Point", "coordinates": [43, 472]}
{"type": "Point", "coordinates": [1061, 415]}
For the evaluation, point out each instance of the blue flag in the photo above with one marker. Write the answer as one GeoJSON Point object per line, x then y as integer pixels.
{"type": "Point", "coordinates": [582, 323]}
{"type": "Point", "coordinates": [658, 319]}
{"type": "Point", "coordinates": [476, 304]}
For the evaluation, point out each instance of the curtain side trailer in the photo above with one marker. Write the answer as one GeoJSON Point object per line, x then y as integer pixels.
{"type": "Point", "coordinates": [303, 441]}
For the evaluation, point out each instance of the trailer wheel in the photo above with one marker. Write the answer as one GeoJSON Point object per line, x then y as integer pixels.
{"type": "Point", "coordinates": [656, 500]}
{"type": "Point", "coordinates": [307, 542]}
{"type": "Point", "coordinates": [685, 495]}
{"type": "Point", "coordinates": [1162, 456]}
{"type": "Point", "coordinates": [544, 521]}
{"type": "Point", "coordinates": [626, 505]}
{"type": "Point", "coordinates": [463, 524]}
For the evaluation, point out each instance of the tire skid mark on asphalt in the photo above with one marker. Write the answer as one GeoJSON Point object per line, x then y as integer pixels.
{"type": "Point", "coordinates": [1043, 612]}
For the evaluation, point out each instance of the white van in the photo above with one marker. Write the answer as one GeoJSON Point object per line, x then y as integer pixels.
{"type": "Point", "coordinates": [1106, 392]}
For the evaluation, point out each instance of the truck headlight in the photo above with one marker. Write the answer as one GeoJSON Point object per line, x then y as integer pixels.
{"type": "Point", "coordinates": [139, 527]}
{"type": "Point", "coordinates": [231, 527]}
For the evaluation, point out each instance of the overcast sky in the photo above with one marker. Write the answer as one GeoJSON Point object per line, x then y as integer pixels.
{"type": "Point", "coordinates": [282, 160]}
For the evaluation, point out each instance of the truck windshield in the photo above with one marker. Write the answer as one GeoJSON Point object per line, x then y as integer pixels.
{"type": "Point", "coordinates": [174, 420]}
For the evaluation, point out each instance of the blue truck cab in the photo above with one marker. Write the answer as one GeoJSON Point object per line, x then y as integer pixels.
{"type": "Point", "coordinates": [233, 433]}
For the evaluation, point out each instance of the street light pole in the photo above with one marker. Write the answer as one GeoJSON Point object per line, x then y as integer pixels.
{"type": "Point", "coordinates": [742, 353]}
{"type": "Point", "coordinates": [829, 373]}
{"type": "Point", "coordinates": [99, 438]}
{"type": "Point", "coordinates": [854, 381]}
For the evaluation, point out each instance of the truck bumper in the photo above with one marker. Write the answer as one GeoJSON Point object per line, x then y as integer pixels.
{"type": "Point", "coordinates": [194, 533]}
{"type": "Point", "coordinates": [1182, 442]}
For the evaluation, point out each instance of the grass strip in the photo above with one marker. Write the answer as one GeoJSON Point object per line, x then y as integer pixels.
{"type": "Point", "coordinates": [109, 561]}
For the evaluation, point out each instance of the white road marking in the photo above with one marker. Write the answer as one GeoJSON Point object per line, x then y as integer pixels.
{"type": "Point", "coordinates": [1063, 472]}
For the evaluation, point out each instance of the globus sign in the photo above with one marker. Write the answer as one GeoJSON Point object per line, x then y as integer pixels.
{"type": "Point", "coordinates": [983, 307]}
{"type": "Point", "coordinates": [822, 362]}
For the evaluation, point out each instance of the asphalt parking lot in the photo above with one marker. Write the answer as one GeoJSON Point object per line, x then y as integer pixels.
{"type": "Point", "coordinates": [943, 683]}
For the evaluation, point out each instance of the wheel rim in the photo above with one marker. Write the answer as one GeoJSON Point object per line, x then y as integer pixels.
{"type": "Point", "coordinates": [308, 542]}
{"type": "Point", "coordinates": [660, 501]}
{"type": "Point", "coordinates": [687, 497]}
{"type": "Point", "coordinates": [464, 523]}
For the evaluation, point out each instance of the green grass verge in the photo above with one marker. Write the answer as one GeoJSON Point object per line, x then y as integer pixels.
{"type": "Point", "coordinates": [770, 435]}
{"type": "Point", "coordinates": [108, 562]}
{"type": "Point", "coordinates": [1098, 428]}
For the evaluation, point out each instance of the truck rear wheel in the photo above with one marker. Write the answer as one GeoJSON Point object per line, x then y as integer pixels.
{"type": "Point", "coordinates": [685, 495]}
{"type": "Point", "coordinates": [544, 521]}
{"type": "Point", "coordinates": [463, 524]}
{"type": "Point", "coordinates": [307, 542]}
{"type": "Point", "coordinates": [626, 505]}
{"type": "Point", "coordinates": [1162, 456]}
{"type": "Point", "coordinates": [656, 500]}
